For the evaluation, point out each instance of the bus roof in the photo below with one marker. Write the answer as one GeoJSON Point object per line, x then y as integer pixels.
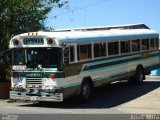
{"type": "Point", "coordinates": [113, 34]}
{"type": "Point", "coordinates": [69, 37]}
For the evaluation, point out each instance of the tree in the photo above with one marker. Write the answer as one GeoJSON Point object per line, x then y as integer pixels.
{"type": "Point", "coordinates": [19, 16]}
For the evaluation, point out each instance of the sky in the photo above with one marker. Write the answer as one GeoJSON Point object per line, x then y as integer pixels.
{"type": "Point", "coordinates": [90, 13]}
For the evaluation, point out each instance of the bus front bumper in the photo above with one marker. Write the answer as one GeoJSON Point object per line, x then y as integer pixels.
{"type": "Point", "coordinates": [52, 97]}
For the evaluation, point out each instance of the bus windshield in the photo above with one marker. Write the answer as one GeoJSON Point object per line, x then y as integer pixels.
{"type": "Point", "coordinates": [32, 57]}
{"type": "Point", "coordinates": [46, 57]}
{"type": "Point", "coordinates": [19, 57]}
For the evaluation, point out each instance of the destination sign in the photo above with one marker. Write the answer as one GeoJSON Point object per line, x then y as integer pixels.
{"type": "Point", "coordinates": [33, 41]}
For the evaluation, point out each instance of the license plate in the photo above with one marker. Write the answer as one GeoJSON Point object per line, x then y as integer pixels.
{"type": "Point", "coordinates": [34, 98]}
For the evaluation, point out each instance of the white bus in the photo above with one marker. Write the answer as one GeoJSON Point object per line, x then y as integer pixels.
{"type": "Point", "coordinates": [52, 66]}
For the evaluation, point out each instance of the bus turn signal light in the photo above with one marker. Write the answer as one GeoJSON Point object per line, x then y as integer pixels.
{"type": "Point", "coordinates": [15, 42]}
{"type": "Point", "coordinates": [52, 76]}
{"type": "Point", "coordinates": [50, 41]}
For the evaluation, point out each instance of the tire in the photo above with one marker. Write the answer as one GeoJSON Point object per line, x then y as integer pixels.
{"type": "Point", "coordinates": [139, 77]}
{"type": "Point", "coordinates": [86, 91]}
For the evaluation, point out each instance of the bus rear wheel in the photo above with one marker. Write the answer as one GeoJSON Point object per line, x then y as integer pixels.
{"type": "Point", "coordinates": [138, 78]}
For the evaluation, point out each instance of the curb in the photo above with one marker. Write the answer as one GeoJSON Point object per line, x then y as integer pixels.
{"type": "Point", "coordinates": [153, 76]}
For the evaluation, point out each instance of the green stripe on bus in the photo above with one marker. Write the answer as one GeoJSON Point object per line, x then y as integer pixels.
{"type": "Point", "coordinates": [108, 63]}
{"type": "Point", "coordinates": [119, 58]}
{"type": "Point", "coordinates": [115, 65]}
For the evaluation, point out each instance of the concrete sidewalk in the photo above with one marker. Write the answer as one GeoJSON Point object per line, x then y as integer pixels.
{"type": "Point", "coordinates": [153, 76]}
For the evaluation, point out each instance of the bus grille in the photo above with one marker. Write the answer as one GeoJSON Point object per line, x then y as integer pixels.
{"type": "Point", "coordinates": [33, 81]}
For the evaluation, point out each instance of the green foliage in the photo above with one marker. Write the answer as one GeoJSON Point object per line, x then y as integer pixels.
{"type": "Point", "coordinates": [19, 16]}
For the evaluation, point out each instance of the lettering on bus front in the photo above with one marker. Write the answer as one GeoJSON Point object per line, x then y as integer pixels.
{"type": "Point", "coordinates": [33, 41]}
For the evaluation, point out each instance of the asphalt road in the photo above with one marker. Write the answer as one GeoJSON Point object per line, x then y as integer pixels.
{"type": "Point", "coordinates": [119, 98]}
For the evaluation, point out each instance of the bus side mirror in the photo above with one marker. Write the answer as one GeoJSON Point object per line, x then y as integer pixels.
{"type": "Point", "coordinates": [66, 56]}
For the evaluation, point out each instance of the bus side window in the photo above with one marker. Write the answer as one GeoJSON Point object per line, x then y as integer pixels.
{"type": "Point", "coordinates": [145, 44]}
{"type": "Point", "coordinates": [135, 45]}
{"type": "Point", "coordinates": [99, 49]}
{"type": "Point", "coordinates": [125, 46]}
{"type": "Point", "coordinates": [71, 54]}
{"type": "Point", "coordinates": [113, 48]}
{"type": "Point", "coordinates": [84, 52]}
{"type": "Point", "coordinates": [152, 43]}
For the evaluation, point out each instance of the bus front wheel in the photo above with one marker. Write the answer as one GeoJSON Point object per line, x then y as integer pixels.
{"type": "Point", "coordinates": [86, 91]}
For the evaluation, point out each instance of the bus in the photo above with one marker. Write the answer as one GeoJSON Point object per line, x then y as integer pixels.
{"type": "Point", "coordinates": [52, 66]}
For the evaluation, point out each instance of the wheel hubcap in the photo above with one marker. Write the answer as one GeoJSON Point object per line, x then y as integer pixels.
{"type": "Point", "coordinates": [86, 91]}
{"type": "Point", "coordinates": [141, 76]}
